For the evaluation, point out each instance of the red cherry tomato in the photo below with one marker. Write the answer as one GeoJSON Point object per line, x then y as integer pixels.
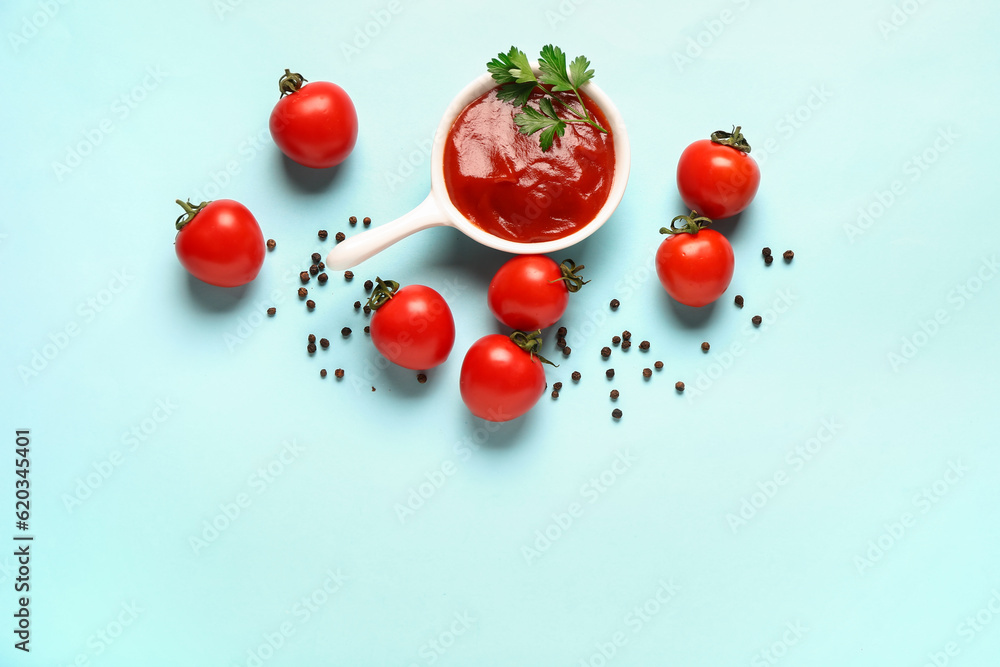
{"type": "Point", "coordinates": [530, 292]}
{"type": "Point", "coordinates": [695, 266]}
{"type": "Point", "coordinates": [220, 242]}
{"type": "Point", "coordinates": [500, 380]}
{"type": "Point", "coordinates": [717, 177]}
{"type": "Point", "coordinates": [316, 124]}
{"type": "Point", "coordinates": [412, 327]}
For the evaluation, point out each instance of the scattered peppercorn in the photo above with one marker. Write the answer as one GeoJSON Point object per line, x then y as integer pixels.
{"type": "Point", "coordinates": [626, 344]}
{"type": "Point", "coordinates": [566, 350]}
{"type": "Point", "coordinates": [271, 244]}
{"type": "Point", "coordinates": [576, 376]}
{"type": "Point", "coordinates": [368, 329]}
{"type": "Point", "coordinates": [353, 219]}
{"type": "Point", "coordinates": [561, 332]}
{"type": "Point", "coordinates": [756, 320]}
{"type": "Point", "coordinates": [316, 257]}
{"type": "Point", "coordinates": [339, 372]}
{"type": "Point", "coordinates": [324, 343]}
{"type": "Point", "coordinates": [644, 345]}
{"type": "Point", "coordinates": [312, 338]}
{"type": "Point", "coordinates": [322, 372]}
{"type": "Point", "coordinates": [788, 255]}
{"type": "Point", "coordinates": [310, 304]}
{"type": "Point", "coordinates": [369, 285]}
{"type": "Point", "coordinates": [616, 413]}
{"type": "Point", "coordinates": [610, 373]}
{"type": "Point", "coordinates": [311, 348]}
{"type": "Point", "coordinates": [367, 309]}
{"type": "Point", "coordinates": [765, 251]}
{"type": "Point", "coordinates": [421, 378]}
{"type": "Point", "coordinates": [615, 303]}
{"type": "Point", "coordinates": [605, 352]}
{"type": "Point", "coordinates": [348, 275]}
{"type": "Point", "coordinates": [615, 340]}
{"type": "Point", "coordinates": [303, 292]}
{"type": "Point", "coordinates": [357, 305]}
{"type": "Point", "coordinates": [768, 260]}
{"type": "Point", "coordinates": [321, 266]}
{"type": "Point", "coordinates": [555, 394]}
{"type": "Point", "coordinates": [322, 278]}
{"type": "Point", "coordinates": [679, 386]}
{"type": "Point", "coordinates": [557, 386]}
{"type": "Point", "coordinates": [614, 394]}
{"type": "Point", "coordinates": [626, 335]}
{"type": "Point", "coordinates": [658, 365]}
{"type": "Point", "coordinates": [304, 277]}
{"type": "Point", "coordinates": [560, 342]}
{"type": "Point", "coordinates": [345, 332]}
{"type": "Point", "coordinates": [647, 372]}
{"type": "Point", "coordinates": [340, 236]}
{"type": "Point", "coordinates": [271, 311]}
{"type": "Point", "coordinates": [367, 221]}
{"type": "Point", "coordinates": [313, 270]}
{"type": "Point", "coordinates": [322, 234]}
{"type": "Point", "coordinates": [739, 301]}
{"type": "Point", "coordinates": [705, 346]}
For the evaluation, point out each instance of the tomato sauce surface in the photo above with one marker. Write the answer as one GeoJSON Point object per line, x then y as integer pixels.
{"type": "Point", "coordinates": [503, 182]}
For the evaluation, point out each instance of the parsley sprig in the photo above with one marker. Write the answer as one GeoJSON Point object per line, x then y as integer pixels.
{"type": "Point", "coordinates": [517, 82]}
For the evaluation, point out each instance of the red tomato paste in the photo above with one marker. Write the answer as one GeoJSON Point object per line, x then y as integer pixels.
{"type": "Point", "coordinates": [503, 182]}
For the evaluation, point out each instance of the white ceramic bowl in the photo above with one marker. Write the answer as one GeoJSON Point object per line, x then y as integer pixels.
{"type": "Point", "coordinates": [437, 209]}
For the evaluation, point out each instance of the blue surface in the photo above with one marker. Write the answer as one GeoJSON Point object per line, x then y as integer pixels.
{"type": "Point", "coordinates": [855, 430]}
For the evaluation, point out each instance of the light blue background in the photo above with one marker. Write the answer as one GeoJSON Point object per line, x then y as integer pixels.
{"type": "Point", "coordinates": [852, 298]}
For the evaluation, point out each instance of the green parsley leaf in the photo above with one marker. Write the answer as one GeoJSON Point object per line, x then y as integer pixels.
{"type": "Point", "coordinates": [578, 72]}
{"type": "Point", "coordinates": [531, 120]}
{"type": "Point", "coordinates": [548, 134]}
{"type": "Point", "coordinates": [516, 93]}
{"type": "Point", "coordinates": [512, 67]}
{"type": "Point", "coordinates": [552, 65]}
{"type": "Point", "coordinates": [545, 105]}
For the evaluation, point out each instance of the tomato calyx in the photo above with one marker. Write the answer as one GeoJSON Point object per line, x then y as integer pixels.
{"type": "Point", "coordinates": [189, 212]}
{"type": "Point", "coordinates": [530, 342]}
{"type": "Point", "coordinates": [290, 82]}
{"type": "Point", "coordinates": [383, 291]}
{"type": "Point", "coordinates": [734, 139]}
{"type": "Point", "coordinates": [569, 277]}
{"type": "Point", "coordinates": [693, 224]}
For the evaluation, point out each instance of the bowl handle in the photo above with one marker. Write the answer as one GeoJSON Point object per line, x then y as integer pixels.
{"type": "Point", "coordinates": [357, 249]}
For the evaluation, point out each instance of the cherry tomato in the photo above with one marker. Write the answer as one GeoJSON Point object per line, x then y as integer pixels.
{"type": "Point", "coordinates": [501, 377]}
{"type": "Point", "coordinates": [530, 292]}
{"type": "Point", "coordinates": [717, 177]}
{"type": "Point", "coordinates": [219, 242]}
{"type": "Point", "coordinates": [316, 124]}
{"type": "Point", "coordinates": [412, 327]}
{"type": "Point", "coordinates": [696, 265]}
